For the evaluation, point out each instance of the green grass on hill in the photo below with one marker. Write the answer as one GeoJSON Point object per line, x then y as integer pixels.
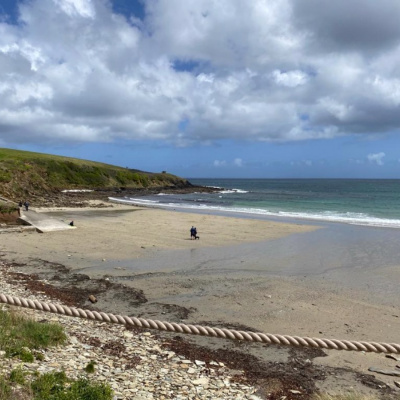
{"type": "Point", "coordinates": [23, 173]}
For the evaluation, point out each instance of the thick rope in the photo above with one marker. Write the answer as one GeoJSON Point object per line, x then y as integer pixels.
{"type": "Point", "coordinates": [283, 340]}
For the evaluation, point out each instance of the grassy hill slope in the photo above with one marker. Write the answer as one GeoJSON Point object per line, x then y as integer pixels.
{"type": "Point", "coordinates": [26, 174]}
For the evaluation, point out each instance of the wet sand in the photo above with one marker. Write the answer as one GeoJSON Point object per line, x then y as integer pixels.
{"type": "Point", "coordinates": [329, 281]}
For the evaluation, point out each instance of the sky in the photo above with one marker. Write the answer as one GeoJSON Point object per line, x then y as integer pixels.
{"type": "Point", "coordinates": [206, 88]}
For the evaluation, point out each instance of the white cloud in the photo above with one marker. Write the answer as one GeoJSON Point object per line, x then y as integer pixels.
{"type": "Point", "coordinates": [290, 79]}
{"type": "Point", "coordinates": [238, 162]}
{"type": "Point", "coordinates": [219, 163]}
{"type": "Point", "coordinates": [388, 89]}
{"type": "Point", "coordinates": [284, 73]}
{"type": "Point", "coordinates": [338, 110]}
{"type": "Point", "coordinates": [376, 158]}
{"type": "Point", "coordinates": [83, 8]}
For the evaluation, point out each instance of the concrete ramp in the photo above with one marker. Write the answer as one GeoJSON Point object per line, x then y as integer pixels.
{"type": "Point", "coordinates": [43, 222]}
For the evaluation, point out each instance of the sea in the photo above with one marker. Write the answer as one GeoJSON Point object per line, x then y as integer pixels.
{"type": "Point", "coordinates": [366, 202]}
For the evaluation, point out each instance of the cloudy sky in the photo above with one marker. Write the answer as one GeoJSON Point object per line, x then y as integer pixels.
{"type": "Point", "coordinates": [206, 88]}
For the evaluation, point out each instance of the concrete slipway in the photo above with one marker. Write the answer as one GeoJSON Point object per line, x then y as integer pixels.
{"type": "Point", "coordinates": [42, 222]}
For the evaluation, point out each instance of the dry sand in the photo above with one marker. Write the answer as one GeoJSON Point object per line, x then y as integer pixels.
{"type": "Point", "coordinates": [125, 232]}
{"type": "Point", "coordinates": [153, 246]}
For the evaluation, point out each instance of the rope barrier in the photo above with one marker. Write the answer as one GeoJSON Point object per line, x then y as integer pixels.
{"type": "Point", "coordinates": [223, 333]}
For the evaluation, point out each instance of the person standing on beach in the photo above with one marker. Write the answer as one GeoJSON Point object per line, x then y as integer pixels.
{"type": "Point", "coordinates": [192, 233]}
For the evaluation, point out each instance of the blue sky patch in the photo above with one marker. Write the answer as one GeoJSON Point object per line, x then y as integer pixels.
{"type": "Point", "coordinates": [9, 11]}
{"type": "Point", "coordinates": [185, 65]}
{"type": "Point", "coordinates": [129, 8]}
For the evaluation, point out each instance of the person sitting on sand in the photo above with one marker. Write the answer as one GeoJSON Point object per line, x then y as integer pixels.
{"type": "Point", "coordinates": [72, 223]}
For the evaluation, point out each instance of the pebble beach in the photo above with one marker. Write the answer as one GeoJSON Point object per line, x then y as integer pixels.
{"type": "Point", "coordinates": [135, 364]}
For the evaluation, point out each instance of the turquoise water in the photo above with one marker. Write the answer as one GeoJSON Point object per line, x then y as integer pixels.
{"type": "Point", "coordinates": [360, 202]}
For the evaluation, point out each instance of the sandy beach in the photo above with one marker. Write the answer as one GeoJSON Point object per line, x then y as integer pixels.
{"type": "Point", "coordinates": [275, 277]}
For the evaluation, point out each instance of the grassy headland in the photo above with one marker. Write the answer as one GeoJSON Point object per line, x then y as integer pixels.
{"type": "Point", "coordinates": [25, 174]}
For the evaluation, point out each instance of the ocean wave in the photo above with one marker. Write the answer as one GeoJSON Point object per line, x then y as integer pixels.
{"type": "Point", "coordinates": [230, 191]}
{"type": "Point", "coordinates": [133, 201]}
{"type": "Point", "coordinates": [347, 218]}
{"type": "Point", "coordinates": [327, 216]}
{"type": "Point", "coordinates": [76, 190]}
